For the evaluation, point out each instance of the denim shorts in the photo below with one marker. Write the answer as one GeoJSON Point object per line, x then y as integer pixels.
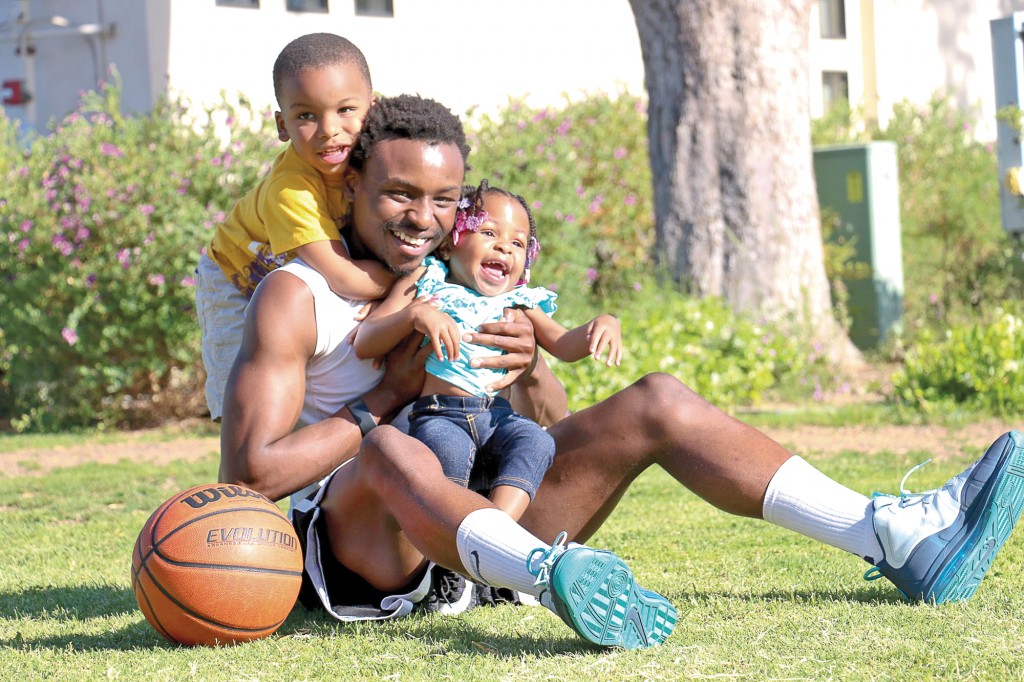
{"type": "Point", "coordinates": [483, 442]}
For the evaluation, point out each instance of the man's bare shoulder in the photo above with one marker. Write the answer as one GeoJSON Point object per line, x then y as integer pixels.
{"type": "Point", "coordinates": [282, 311]}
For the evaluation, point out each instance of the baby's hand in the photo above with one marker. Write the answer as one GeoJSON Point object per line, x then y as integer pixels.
{"type": "Point", "coordinates": [604, 331]}
{"type": "Point", "coordinates": [439, 327]}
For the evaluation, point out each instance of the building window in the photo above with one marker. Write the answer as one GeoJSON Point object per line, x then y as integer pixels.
{"type": "Point", "coordinates": [832, 18]}
{"type": "Point", "coordinates": [238, 3]}
{"type": "Point", "coordinates": [835, 87]}
{"type": "Point", "coordinates": [307, 6]}
{"type": "Point", "coordinates": [375, 8]}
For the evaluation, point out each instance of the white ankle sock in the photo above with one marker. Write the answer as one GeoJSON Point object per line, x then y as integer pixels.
{"type": "Point", "coordinates": [493, 548]}
{"type": "Point", "coordinates": [801, 498]}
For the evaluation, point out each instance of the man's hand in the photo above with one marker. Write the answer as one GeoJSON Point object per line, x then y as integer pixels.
{"type": "Point", "coordinates": [515, 336]}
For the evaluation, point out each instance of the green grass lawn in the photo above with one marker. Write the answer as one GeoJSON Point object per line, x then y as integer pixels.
{"type": "Point", "coordinates": [755, 601]}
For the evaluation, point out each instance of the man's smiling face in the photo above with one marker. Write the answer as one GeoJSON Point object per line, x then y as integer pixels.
{"type": "Point", "coordinates": [404, 201]}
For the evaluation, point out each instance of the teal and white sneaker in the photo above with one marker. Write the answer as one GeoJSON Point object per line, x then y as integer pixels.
{"type": "Point", "coordinates": [939, 544]}
{"type": "Point", "coordinates": [596, 595]}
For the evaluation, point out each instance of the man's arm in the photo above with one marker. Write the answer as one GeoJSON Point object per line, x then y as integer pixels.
{"type": "Point", "coordinates": [534, 392]}
{"type": "Point", "coordinates": [265, 393]}
{"type": "Point", "coordinates": [539, 395]}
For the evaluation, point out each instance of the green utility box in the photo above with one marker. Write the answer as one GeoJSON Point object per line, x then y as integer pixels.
{"type": "Point", "coordinates": [860, 183]}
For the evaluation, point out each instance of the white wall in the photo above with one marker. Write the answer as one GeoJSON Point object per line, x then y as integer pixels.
{"type": "Point", "coordinates": [925, 46]}
{"type": "Point", "coordinates": [469, 53]}
{"type": "Point", "coordinates": [460, 52]}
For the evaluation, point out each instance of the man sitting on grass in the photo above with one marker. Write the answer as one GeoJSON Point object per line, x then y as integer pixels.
{"type": "Point", "coordinates": [371, 526]}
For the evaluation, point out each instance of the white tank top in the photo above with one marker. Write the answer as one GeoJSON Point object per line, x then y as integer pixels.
{"type": "Point", "coordinates": [334, 375]}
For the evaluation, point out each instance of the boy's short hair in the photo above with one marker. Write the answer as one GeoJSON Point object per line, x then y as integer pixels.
{"type": "Point", "coordinates": [317, 51]}
{"type": "Point", "coordinates": [408, 117]}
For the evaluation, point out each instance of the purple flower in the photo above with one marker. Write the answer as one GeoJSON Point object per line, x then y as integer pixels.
{"type": "Point", "coordinates": [580, 191]}
{"type": "Point", "coordinates": [188, 281]}
{"type": "Point", "coordinates": [637, 286]}
{"type": "Point", "coordinates": [147, 209]}
{"type": "Point", "coordinates": [123, 256]}
{"type": "Point", "coordinates": [82, 234]}
{"type": "Point", "coordinates": [111, 149]}
{"type": "Point", "coordinates": [563, 127]}
{"type": "Point", "coordinates": [595, 205]}
{"type": "Point", "coordinates": [156, 280]}
{"type": "Point", "coordinates": [70, 336]}
{"type": "Point", "coordinates": [570, 218]}
{"type": "Point", "coordinates": [537, 205]}
{"type": "Point", "coordinates": [620, 152]}
{"type": "Point", "coordinates": [26, 225]}
{"type": "Point", "coordinates": [591, 275]}
{"type": "Point", "coordinates": [23, 245]}
{"type": "Point", "coordinates": [90, 280]}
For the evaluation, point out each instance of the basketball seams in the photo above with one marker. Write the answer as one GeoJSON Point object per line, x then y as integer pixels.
{"type": "Point", "coordinates": [155, 544]}
{"type": "Point", "coordinates": [157, 579]}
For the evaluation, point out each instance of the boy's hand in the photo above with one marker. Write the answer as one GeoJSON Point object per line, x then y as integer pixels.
{"type": "Point", "coordinates": [604, 331]}
{"type": "Point", "coordinates": [439, 327]}
{"type": "Point", "coordinates": [514, 335]}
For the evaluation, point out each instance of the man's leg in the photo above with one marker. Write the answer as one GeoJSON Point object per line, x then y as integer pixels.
{"type": "Point", "coordinates": [657, 420]}
{"type": "Point", "coordinates": [928, 556]}
{"type": "Point", "coordinates": [393, 506]}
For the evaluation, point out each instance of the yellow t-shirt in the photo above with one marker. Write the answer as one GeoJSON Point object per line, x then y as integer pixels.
{"type": "Point", "coordinates": [290, 207]}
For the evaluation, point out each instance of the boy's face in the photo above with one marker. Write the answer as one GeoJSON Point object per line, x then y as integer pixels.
{"type": "Point", "coordinates": [322, 111]}
{"type": "Point", "coordinates": [404, 201]}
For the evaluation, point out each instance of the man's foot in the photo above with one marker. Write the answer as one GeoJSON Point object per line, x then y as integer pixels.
{"type": "Point", "coordinates": [450, 593]}
{"type": "Point", "coordinates": [939, 544]}
{"type": "Point", "coordinates": [596, 595]}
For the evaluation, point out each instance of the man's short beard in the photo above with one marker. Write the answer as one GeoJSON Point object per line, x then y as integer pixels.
{"type": "Point", "coordinates": [392, 226]}
{"type": "Point", "coordinates": [402, 272]}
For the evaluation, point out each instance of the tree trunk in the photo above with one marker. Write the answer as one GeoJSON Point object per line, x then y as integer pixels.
{"type": "Point", "coordinates": [729, 128]}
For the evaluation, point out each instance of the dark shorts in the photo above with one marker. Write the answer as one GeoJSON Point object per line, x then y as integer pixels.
{"type": "Point", "coordinates": [329, 585]}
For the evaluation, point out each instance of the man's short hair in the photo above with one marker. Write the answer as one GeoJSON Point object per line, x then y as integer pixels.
{"type": "Point", "coordinates": [408, 117]}
{"type": "Point", "coordinates": [317, 51]}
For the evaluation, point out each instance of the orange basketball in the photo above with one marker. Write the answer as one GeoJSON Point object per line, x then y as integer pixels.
{"type": "Point", "coordinates": [216, 564]}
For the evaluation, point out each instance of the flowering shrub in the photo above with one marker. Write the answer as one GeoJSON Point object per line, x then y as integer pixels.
{"type": "Point", "coordinates": [584, 171]}
{"type": "Point", "coordinates": [958, 262]}
{"type": "Point", "coordinates": [725, 357]}
{"type": "Point", "coordinates": [101, 223]}
{"type": "Point", "coordinates": [978, 366]}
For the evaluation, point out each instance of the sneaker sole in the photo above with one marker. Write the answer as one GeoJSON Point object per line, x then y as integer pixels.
{"type": "Point", "coordinates": [972, 556]}
{"type": "Point", "coordinates": [597, 595]}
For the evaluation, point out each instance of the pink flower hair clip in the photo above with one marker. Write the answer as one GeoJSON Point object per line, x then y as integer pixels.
{"type": "Point", "coordinates": [464, 222]}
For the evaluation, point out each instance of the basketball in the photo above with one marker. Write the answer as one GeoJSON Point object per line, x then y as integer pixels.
{"type": "Point", "coordinates": [216, 564]}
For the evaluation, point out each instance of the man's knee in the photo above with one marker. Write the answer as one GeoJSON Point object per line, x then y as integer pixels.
{"type": "Point", "coordinates": [387, 453]}
{"type": "Point", "coordinates": [667, 401]}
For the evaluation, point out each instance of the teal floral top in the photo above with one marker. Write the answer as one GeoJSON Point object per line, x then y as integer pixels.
{"type": "Point", "coordinates": [470, 310]}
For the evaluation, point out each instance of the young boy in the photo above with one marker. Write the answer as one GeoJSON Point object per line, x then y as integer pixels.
{"type": "Point", "coordinates": [323, 89]}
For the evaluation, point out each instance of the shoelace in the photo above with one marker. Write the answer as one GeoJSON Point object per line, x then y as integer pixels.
{"type": "Point", "coordinates": [905, 497]}
{"type": "Point", "coordinates": [544, 564]}
{"type": "Point", "coordinates": [447, 586]}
